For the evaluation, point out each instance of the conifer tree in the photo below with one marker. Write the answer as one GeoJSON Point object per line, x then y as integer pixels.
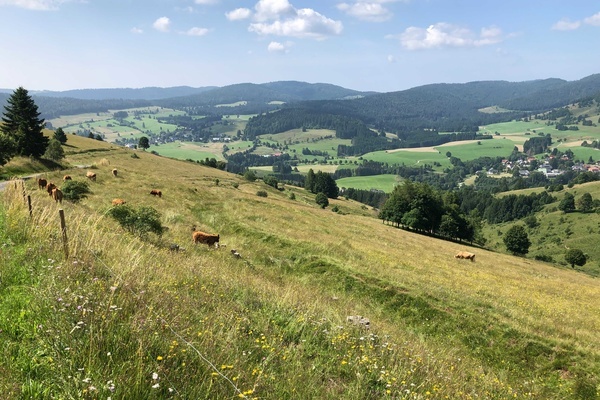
{"type": "Point", "coordinates": [23, 126]}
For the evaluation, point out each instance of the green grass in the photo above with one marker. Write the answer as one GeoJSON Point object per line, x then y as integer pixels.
{"type": "Point", "coordinates": [408, 157]}
{"type": "Point", "coordinates": [188, 150]}
{"type": "Point", "coordinates": [471, 151]}
{"type": "Point", "coordinates": [385, 182]}
{"type": "Point", "coordinates": [121, 315]}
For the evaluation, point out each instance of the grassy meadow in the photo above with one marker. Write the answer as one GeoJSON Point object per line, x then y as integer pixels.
{"type": "Point", "coordinates": [124, 317]}
{"type": "Point", "coordinates": [190, 150]}
{"type": "Point", "coordinates": [557, 231]}
{"type": "Point", "coordinates": [385, 182]}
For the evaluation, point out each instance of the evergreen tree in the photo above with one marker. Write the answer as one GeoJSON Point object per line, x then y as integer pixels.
{"type": "Point", "coordinates": [7, 150]}
{"type": "Point", "coordinates": [21, 123]}
{"type": "Point", "coordinates": [516, 240]}
{"type": "Point", "coordinates": [325, 183]}
{"type": "Point", "coordinates": [60, 135]}
{"type": "Point", "coordinates": [567, 204]}
{"type": "Point", "coordinates": [309, 182]}
{"type": "Point", "coordinates": [54, 151]}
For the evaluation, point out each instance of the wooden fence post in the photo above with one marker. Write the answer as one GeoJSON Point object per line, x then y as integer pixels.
{"type": "Point", "coordinates": [29, 205]}
{"type": "Point", "coordinates": [63, 228]}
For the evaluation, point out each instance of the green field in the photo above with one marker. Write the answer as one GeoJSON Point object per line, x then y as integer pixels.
{"type": "Point", "coordinates": [187, 150]}
{"type": "Point", "coordinates": [385, 182]}
{"type": "Point", "coordinates": [471, 151]}
{"type": "Point", "coordinates": [409, 158]}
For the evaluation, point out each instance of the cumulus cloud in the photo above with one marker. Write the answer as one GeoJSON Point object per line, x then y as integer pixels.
{"type": "Point", "coordinates": [136, 30]}
{"type": "Point", "coordinates": [566, 24]}
{"type": "Point", "coordinates": [447, 35]}
{"type": "Point", "coordinates": [238, 14]}
{"type": "Point", "coordinates": [367, 11]}
{"type": "Point", "coordinates": [195, 31]}
{"type": "Point", "coordinates": [38, 5]}
{"type": "Point", "coordinates": [273, 9]}
{"type": "Point", "coordinates": [276, 47]}
{"type": "Point", "coordinates": [593, 20]}
{"type": "Point", "coordinates": [162, 24]}
{"type": "Point", "coordinates": [306, 23]}
{"type": "Point", "coordinates": [281, 18]}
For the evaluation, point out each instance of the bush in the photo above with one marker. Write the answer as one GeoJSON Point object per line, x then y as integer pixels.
{"type": "Point", "coordinates": [544, 257]}
{"type": "Point", "coordinates": [321, 199]}
{"type": "Point", "coordinates": [292, 196]}
{"type": "Point", "coordinates": [250, 176]}
{"type": "Point", "coordinates": [134, 155]}
{"type": "Point", "coordinates": [75, 190]}
{"type": "Point", "coordinates": [139, 222]}
{"type": "Point", "coordinates": [271, 181]}
{"type": "Point", "coordinates": [261, 193]}
{"type": "Point", "coordinates": [235, 185]}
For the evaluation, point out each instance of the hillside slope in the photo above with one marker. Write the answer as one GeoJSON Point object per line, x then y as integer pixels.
{"type": "Point", "coordinates": [273, 322]}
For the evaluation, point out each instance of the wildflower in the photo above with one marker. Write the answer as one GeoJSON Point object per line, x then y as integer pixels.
{"type": "Point", "coordinates": [154, 376]}
{"type": "Point", "coordinates": [159, 358]}
{"type": "Point", "coordinates": [156, 386]}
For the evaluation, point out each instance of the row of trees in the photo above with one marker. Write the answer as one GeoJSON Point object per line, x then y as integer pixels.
{"type": "Point", "coordinates": [420, 207]}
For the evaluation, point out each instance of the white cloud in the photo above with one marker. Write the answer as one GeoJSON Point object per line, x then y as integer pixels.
{"type": "Point", "coordinates": [38, 5]}
{"type": "Point", "coordinates": [368, 11]}
{"type": "Point", "coordinates": [447, 35]}
{"type": "Point", "coordinates": [136, 30]}
{"type": "Point", "coordinates": [195, 31]}
{"type": "Point", "coordinates": [593, 20]}
{"type": "Point", "coordinates": [267, 10]}
{"type": "Point", "coordinates": [566, 25]}
{"type": "Point", "coordinates": [238, 14]}
{"type": "Point", "coordinates": [276, 47]}
{"type": "Point", "coordinates": [162, 24]}
{"type": "Point", "coordinates": [302, 23]}
{"type": "Point", "coordinates": [206, 2]}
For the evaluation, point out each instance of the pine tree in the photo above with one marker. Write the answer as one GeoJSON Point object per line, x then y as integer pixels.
{"type": "Point", "coordinates": [60, 135]}
{"type": "Point", "coordinates": [22, 124]}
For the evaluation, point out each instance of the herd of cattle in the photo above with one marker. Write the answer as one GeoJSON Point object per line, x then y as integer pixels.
{"type": "Point", "coordinates": [197, 236]}
{"type": "Point", "coordinates": [57, 195]}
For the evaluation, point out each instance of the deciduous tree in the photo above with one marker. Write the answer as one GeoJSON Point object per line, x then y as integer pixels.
{"type": "Point", "coordinates": [516, 240]}
{"type": "Point", "coordinates": [575, 257]}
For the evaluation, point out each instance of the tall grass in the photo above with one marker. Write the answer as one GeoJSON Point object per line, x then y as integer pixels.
{"type": "Point", "coordinates": [127, 318]}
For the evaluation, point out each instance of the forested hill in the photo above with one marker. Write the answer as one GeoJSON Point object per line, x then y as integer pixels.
{"type": "Point", "coordinates": [146, 93]}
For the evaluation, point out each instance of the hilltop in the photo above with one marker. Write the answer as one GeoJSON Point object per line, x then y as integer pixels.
{"type": "Point", "coordinates": [126, 317]}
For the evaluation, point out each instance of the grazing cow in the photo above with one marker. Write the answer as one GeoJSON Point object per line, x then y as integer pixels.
{"type": "Point", "coordinates": [67, 178]}
{"type": "Point", "coordinates": [118, 202]}
{"type": "Point", "coordinates": [206, 238]}
{"type": "Point", "coordinates": [49, 187]}
{"type": "Point", "coordinates": [114, 172]}
{"type": "Point", "coordinates": [91, 176]}
{"type": "Point", "coordinates": [465, 255]}
{"type": "Point", "coordinates": [57, 195]}
{"type": "Point", "coordinates": [42, 183]}
{"type": "Point", "coordinates": [156, 192]}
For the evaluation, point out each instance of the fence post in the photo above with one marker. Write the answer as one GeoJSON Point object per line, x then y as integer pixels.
{"type": "Point", "coordinates": [29, 205]}
{"type": "Point", "coordinates": [63, 228]}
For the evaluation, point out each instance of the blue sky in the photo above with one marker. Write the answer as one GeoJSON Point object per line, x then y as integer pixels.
{"type": "Point", "coordinates": [380, 45]}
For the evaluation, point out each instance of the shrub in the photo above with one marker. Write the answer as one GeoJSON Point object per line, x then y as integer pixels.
{"type": "Point", "coordinates": [261, 193]}
{"type": "Point", "coordinates": [271, 181]}
{"type": "Point", "coordinates": [139, 222]}
{"type": "Point", "coordinates": [321, 199]}
{"type": "Point", "coordinates": [75, 190]}
{"type": "Point", "coordinates": [250, 176]}
{"type": "Point", "coordinates": [544, 257]}
{"type": "Point", "coordinates": [292, 196]}
{"type": "Point", "coordinates": [235, 185]}
{"type": "Point", "coordinates": [134, 155]}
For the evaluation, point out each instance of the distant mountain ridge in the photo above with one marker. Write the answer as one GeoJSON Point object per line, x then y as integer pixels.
{"type": "Point", "coordinates": [420, 107]}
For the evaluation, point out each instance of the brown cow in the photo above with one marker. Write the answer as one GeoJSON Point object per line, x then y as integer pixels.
{"type": "Point", "coordinates": [114, 172]}
{"type": "Point", "coordinates": [49, 187]}
{"type": "Point", "coordinates": [91, 175]}
{"type": "Point", "coordinates": [206, 238]}
{"type": "Point", "coordinates": [57, 195]}
{"type": "Point", "coordinates": [42, 183]}
{"type": "Point", "coordinates": [67, 178]}
{"type": "Point", "coordinates": [465, 255]}
{"type": "Point", "coordinates": [156, 192]}
{"type": "Point", "coordinates": [118, 202]}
